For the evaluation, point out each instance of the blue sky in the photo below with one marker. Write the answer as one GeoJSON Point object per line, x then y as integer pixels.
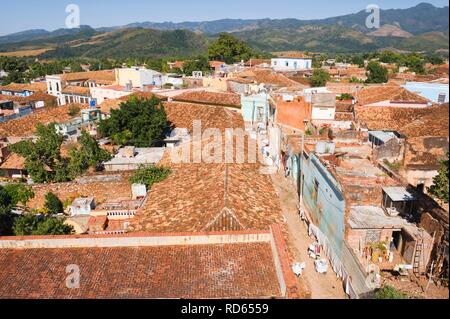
{"type": "Point", "coordinates": [19, 15]}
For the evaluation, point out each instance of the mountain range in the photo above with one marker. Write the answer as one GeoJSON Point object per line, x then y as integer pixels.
{"type": "Point", "coordinates": [420, 28]}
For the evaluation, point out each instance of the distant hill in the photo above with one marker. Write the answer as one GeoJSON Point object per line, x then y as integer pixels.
{"type": "Point", "coordinates": [420, 28]}
{"type": "Point", "coordinates": [135, 43]}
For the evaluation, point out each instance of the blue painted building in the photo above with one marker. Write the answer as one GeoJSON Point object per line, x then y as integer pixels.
{"type": "Point", "coordinates": [324, 200]}
{"type": "Point", "coordinates": [436, 92]}
{"type": "Point", "coordinates": [255, 108]}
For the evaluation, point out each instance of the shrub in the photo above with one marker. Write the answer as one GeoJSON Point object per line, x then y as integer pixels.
{"type": "Point", "coordinates": [389, 292]}
{"type": "Point", "coordinates": [149, 175]}
{"type": "Point", "coordinates": [53, 204]}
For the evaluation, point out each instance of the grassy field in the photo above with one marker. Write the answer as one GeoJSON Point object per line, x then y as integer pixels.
{"type": "Point", "coordinates": [24, 53]}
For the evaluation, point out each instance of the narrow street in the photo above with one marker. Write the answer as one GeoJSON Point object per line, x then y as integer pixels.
{"type": "Point", "coordinates": [322, 286]}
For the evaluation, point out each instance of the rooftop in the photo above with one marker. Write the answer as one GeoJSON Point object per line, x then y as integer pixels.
{"type": "Point", "coordinates": [213, 98]}
{"type": "Point", "coordinates": [26, 125]}
{"type": "Point", "coordinates": [20, 87]}
{"type": "Point", "coordinates": [392, 92]}
{"type": "Point", "coordinates": [214, 265]}
{"type": "Point", "coordinates": [106, 77]}
{"type": "Point", "coordinates": [399, 194]}
{"type": "Point", "coordinates": [200, 197]}
{"type": "Point", "coordinates": [150, 155]}
{"type": "Point", "coordinates": [373, 217]}
{"type": "Point", "coordinates": [102, 187]}
{"type": "Point", "coordinates": [404, 104]}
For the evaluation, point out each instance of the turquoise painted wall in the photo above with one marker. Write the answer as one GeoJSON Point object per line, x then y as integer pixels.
{"type": "Point", "coordinates": [250, 105]}
{"type": "Point", "coordinates": [327, 205]}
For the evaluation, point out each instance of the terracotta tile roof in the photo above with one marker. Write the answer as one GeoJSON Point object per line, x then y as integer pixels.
{"type": "Point", "coordinates": [270, 77]}
{"type": "Point", "coordinates": [19, 87]}
{"type": "Point", "coordinates": [107, 77]}
{"type": "Point", "coordinates": [216, 64]}
{"type": "Point", "coordinates": [267, 77]}
{"type": "Point", "coordinates": [213, 98]}
{"type": "Point", "coordinates": [101, 190]}
{"type": "Point", "coordinates": [13, 161]}
{"type": "Point", "coordinates": [256, 62]}
{"type": "Point", "coordinates": [26, 125]}
{"type": "Point", "coordinates": [77, 90]}
{"type": "Point", "coordinates": [388, 118]}
{"type": "Point", "coordinates": [108, 105]}
{"type": "Point", "coordinates": [342, 88]}
{"type": "Point", "coordinates": [434, 123]}
{"type": "Point", "coordinates": [196, 197]}
{"type": "Point", "coordinates": [292, 54]}
{"type": "Point", "coordinates": [373, 94]}
{"type": "Point", "coordinates": [203, 197]}
{"type": "Point", "coordinates": [49, 100]}
{"type": "Point", "coordinates": [240, 270]}
{"type": "Point", "coordinates": [182, 115]}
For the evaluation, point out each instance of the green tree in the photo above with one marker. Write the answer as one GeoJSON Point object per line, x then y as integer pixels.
{"type": "Point", "coordinates": [434, 59]}
{"type": "Point", "coordinates": [6, 217]}
{"type": "Point", "coordinates": [376, 73]}
{"type": "Point", "coordinates": [19, 193]}
{"type": "Point", "coordinates": [53, 226]}
{"type": "Point", "coordinates": [148, 175]}
{"type": "Point", "coordinates": [53, 204]}
{"type": "Point", "coordinates": [30, 224]}
{"type": "Point", "coordinates": [415, 62]}
{"type": "Point", "coordinates": [319, 78]}
{"type": "Point", "coordinates": [25, 225]}
{"type": "Point", "coordinates": [440, 189]}
{"type": "Point", "coordinates": [89, 154]}
{"type": "Point", "coordinates": [138, 122]}
{"type": "Point", "coordinates": [199, 63]}
{"type": "Point", "coordinates": [229, 49]}
{"type": "Point", "coordinates": [42, 158]}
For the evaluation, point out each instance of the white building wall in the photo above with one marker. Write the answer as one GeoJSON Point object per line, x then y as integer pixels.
{"type": "Point", "coordinates": [102, 94]}
{"type": "Point", "coordinates": [323, 113]}
{"type": "Point", "coordinates": [290, 64]}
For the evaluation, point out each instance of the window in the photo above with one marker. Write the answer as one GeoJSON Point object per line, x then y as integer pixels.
{"type": "Point", "coordinates": [295, 64]}
{"type": "Point", "coordinates": [287, 63]}
{"type": "Point", "coordinates": [57, 87]}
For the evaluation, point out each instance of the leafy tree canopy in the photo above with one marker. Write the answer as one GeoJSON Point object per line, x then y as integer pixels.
{"type": "Point", "coordinates": [149, 175]}
{"type": "Point", "coordinates": [19, 193]}
{"type": "Point", "coordinates": [53, 204]}
{"type": "Point", "coordinates": [229, 49]}
{"type": "Point", "coordinates": [319, 78]}
{"type": "Point", "coordinates": [440, 182]}
{"type": "Point", "coordinates": [376, 73]}
{"type": "Point", "coordinates": [30, 224]}
{"type": "Point", "coordinates": [138, 122]}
